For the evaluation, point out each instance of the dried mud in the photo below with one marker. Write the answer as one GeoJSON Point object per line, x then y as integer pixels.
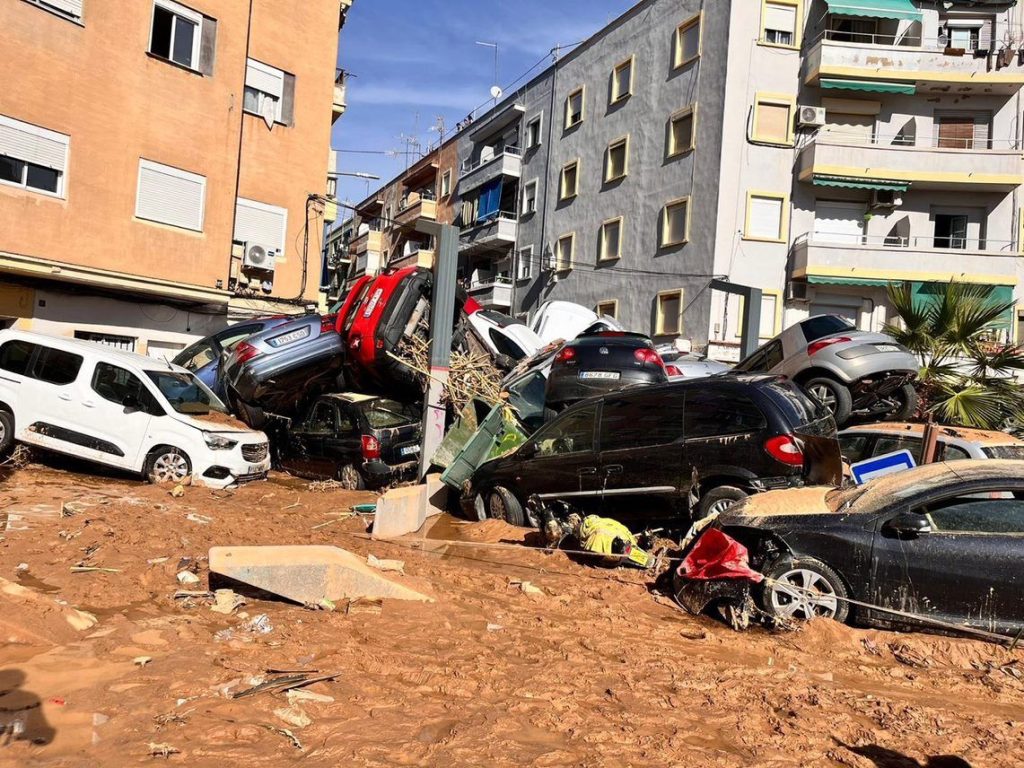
{"type": "Point", "coordinates": [597, 671]}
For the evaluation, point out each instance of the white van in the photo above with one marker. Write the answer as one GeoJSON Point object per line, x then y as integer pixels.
{"type": "Point", "coordinates": [123, 410]}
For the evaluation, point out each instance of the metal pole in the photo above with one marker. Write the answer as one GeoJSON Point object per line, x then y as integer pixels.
{"type": "Point", "coordinates": [442, 317]}
{"type": "Point", "coordinates": [751, 322]}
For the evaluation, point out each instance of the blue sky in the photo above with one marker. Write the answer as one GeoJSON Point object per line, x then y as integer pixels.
{"type": "Point", "coordinates": [414, 60]}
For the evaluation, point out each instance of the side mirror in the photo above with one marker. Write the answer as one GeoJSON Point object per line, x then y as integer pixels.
{"type": "Point", "coordinates": [528, 450]}
{"type": "Point", "coordinates": [908, 524]}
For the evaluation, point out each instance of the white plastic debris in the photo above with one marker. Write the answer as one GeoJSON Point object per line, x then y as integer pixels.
{"type": "Point", "coordinates": [187, 577]}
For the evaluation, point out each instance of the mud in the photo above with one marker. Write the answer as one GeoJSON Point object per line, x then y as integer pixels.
{"type": "Point", "coordinates": [596, 671]}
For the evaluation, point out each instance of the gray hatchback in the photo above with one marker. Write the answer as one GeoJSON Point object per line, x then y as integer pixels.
{"type": "Point", "coordinates": [849, 371]}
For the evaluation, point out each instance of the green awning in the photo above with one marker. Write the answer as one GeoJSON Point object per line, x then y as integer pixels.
{"type": "Point", "coordinates": [875, 9]}
{"type": "Point", "coordinates": [848, 183]}
{"type": "Point", "coordinates": [830, 280]}
{"type": "Point", "coordinates": [871, 86]}
{"type": "Point", "coordinates": [931, 292]}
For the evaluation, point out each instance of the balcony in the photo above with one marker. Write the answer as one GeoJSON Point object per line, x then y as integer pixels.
{"type": "Point", "coordinates": [476, 173]}
{"type": "Point", "coordinates": [416, 206]}
{"type": "Point", "coordinates": [493, 294]}
{"type": "Point", "coordinates": [340, 95]}
{"type": "Point", "coordinates": [838, 159]}
{"type": "Point", "coordinates": [860, 260]}
{"type": "Point", "coordinates": [417, 255]}
{"type": "Point", "coordinates": [492, 233]}
{"type": "Point", "coordinates": [369, 263]}
{"type": "Point", "coordinates": [925, 65]}
{"type": "Point", "coordinates": [370, 241]}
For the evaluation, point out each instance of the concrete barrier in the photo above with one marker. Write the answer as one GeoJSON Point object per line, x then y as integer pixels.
{"type": "Point", "coordinates": [405, 510]}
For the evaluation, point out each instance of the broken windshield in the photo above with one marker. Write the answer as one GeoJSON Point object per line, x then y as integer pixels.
{"type": "Point", "coordinates": [185, 393]}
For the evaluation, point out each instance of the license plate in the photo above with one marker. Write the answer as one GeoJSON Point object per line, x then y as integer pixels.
{"type": "Point", "coordinates": [887, 348]}
{"type": "Point", "coordinates": [607, 375]}
{"type": "Point", "coordinates": [288, 338]}
{"type": "Point", "coordinates": [409, 450]}
{"type": "Point", "coordinates": [255, 469]}
{"type": "Point", "coordinates": [373, 302]}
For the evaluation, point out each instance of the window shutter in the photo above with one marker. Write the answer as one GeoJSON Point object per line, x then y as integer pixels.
{"type": "Point", "coordinates": [207, 45]}
{"type": "Point", "coordinates": [262, 224]}
{"type": "Point", "coordinates": [765, 217]}
{"type": "Point", "coordinates": [781, 17]}
{"type": "Point", "coordinates": [264, 78]}
{"type": "Point", "coordinates": [288, 101]}
{"type": "Point", "coordinates": [170, 196]}
{"type": "Point", "coordinates": [70, 7]}
{"type": "Point", "coordinates": [31, 144]}
{"type": "Point", "coordinates": [774, 122]}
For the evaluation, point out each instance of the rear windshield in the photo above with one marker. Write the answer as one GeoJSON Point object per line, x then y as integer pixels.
{"type": "Point", "coordinates": [384, 414]}
{"type": "Point", "coordinates": [1004, 451]}
{"type": "Point", "coordinates": [826, 325]}
{"type": "Point", "coordinates": [796, 407]}
{"type": "Point", "coordinates": [186, 393]}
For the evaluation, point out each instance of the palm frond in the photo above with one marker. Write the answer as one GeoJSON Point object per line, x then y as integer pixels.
{"type": "Point", "coordinates": [973, 405]}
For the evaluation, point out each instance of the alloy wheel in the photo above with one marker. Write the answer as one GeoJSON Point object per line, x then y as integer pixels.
{"type": "Point", "coordinates": [170, 467]}
{"type": "Point", "coordinates": [720, 506]}
{"type": "Point", "coordinates": [349, 478]}
{"type": "Point", "coordinates": [496, 507]}
{"type": "Point", "coordinates": [803, 594]}
{"type": "Point", "coordinates": [825, 396]}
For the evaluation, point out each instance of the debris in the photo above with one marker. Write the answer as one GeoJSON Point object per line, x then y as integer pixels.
{"type": "Point", "coordinates": [526, 587]}
{"type": "Point", "coordinates": [294, 716]}
{"type": "Point", "coordinates": [22, 567]}
{"type": "Point", "coordinates": [367, 605]}
{"type": "Point", "coordinates": [224, 635]}
{"type": "Point", "coordinates": [162, 750]}
{"type": "Point", "coordinates": [258, 625]}
{"type": "Point", "coordinates": [194, 594]}
{"type": "Point", "coordinates": [301, 694]}
{"type": "Point", "coordinates": [395, 566]}
{"type": "Point", "coordinates": [323, 486]}
{"type": "Point", "coordinates": [93, 569]}
{"type": "Point", "coordinates": [365, 509]}
{"type": "Point", "coordinates": [306, 574]}
{"type": "Point", "coordinates": [292, 506]}
{"type": "Point", "coordinates": [494, 627]}
{"type": "Point", "coordinates": [201, 519]}
{"type": "Point", "coordinates": [904, 654]}
{"type": "Point", "coordinates": [695, 633]}
{"type": "Point", "coordinates": [342, 516]}
{"type": "Point", "coordinates": [284, 684]}
{"type": "Point", "coordinates": [157, 560]}
{"type": "Point", "coordinates": [187, 577]}
{"type": "Point", "coordinates": [284, 732]}
{"type": "Point", "coordinates": [141, 661]}
{"type": "Point", "coordinates": [226, 601]}
{"type": "Point", "coordinates": [177, 491]}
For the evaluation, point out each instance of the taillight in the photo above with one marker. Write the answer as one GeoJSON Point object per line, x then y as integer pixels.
{"type": "Point", "coordinates": [565, 354]}
{"type": "Point", "coordinates": [371, 447]}
{"type": "Point", "coordinates": [245, 352]}
{"type": "Point", "coordinates": [644, 355]}
{"type": "Point", "coordinates": [327, 323]}
{"type": "Point", "coordinates": [786, 449]}
{"type": "Point", "coordinates": [671, 370]}
{"type": "Point", "coordinates": [820, 344]}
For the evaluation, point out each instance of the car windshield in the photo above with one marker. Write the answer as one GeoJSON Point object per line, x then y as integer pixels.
{"type": "Point", "coordinates": [819, 327]}
{"type": "Point", "coordinates": [1004, 451]}
{"type": "Point", "coordinates": [186, 393]}
{"type": "Point", "coordinates": [383, 414]}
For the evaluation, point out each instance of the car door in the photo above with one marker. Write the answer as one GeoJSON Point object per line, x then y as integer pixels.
{"type": "Point", "coordinates": [309, 455]}
{"type": "Point", "coordinates": [562, 462]}
{"type": "Point", "coordinates": [116, 411]}
{"type": "Point", "coordinates": [345, 444]}
{"type": "Point", "coordinates": [723, 438]}
{"type": "Point", "coordinates": [54, 400]}
{"type": "Point", "coordinates": [964, 565]}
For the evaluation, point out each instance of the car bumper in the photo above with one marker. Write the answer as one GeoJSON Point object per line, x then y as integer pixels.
{"type": "Point", "coordinates": [224, 471]}
{"type": "Point", "coordinates": [565, 388]}
{"type": "Point", "coordinates": [378, 473]}
{"type": "Point", "coordinates": [878, 365]}
{"type": "Point", "coordinates": [248, 383]}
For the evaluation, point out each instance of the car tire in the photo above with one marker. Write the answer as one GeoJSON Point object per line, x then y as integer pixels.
{"type": "Point", "coordinates": [906, 396]}
{"type": "Point", "coordinates": [503, 505]}
{"type": "Point", "coordinates": [6, 433]}
{"type": "Point", "coordinates": [787, 586]}
{"type": "Point", "coordinates": [719, 499]}
{"type": "Point", "coordinates": [167, 464]}
{"type": "Point", "coordinates": [833, 395]}
{"type": "Point", "coordinates": [252, 415]}
{"type": "Point", "coordinates": [350, 477]}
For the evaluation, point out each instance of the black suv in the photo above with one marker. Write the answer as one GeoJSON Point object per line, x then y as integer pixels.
{"type": "Point", "coordinates": [638, 454]}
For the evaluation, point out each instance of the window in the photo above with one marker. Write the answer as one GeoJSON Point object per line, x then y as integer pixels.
{"type": "Point", "coordinates": [170, 196]}
{"type": "Point", "coordinates": [524, 267]}
{"type": "Point", "coordinates": [779, 23]}
{"type": "Point", "coordinates": [764, 359]}
{"type": "Point", "coordinates": [573, 434]}
{"type": "Point", "coordinates": [669, 316]}
{"type": "Point", "coordinates": [265, 89]}
{"type": "Point", "coordinates": [261, 224]}
{"type": "Point", "coordinates": [565, 249]}
{"type": "Point", "coordinates": [611, 239]}
{"type": "Point", "coordinates": [891, 443]}
{"type": "Point", "coordinates": [15, 356]}
{"type": "Point", "coordinates": [574, 108]}
{"type": "Point", "coordinates": [963, 36]}
{"type": "Point", "coordinates": [32, 157]}
{"type": "Point", "coordinates": [675, 222]}
{"type": "Point", "coordinates": [176, 33]}
{"type": "Point", "coordinates": [533, 136]}
{"type": "Point", "coordinates": [972, 514]}
{"type": "Point", "coordinates": [123, 388]}
{"type": "Point", "coordinates": [185, 392]}
{"type": "Point", "coordinates": [616, 159]}
{"type": "Point", "coordinates": [609, 307]}
{"type": "Point", "coordinates": [773, 119]}
{"type": "Point", "coordinates": [622, 81]}
{"type": "Point", "coordinates": [680, 132]}
{"type": "Point", "coordinates": [632, 423]}
{"type": "Point", "coordinates": [446, 183]}
{"type": "Point", "coordinates": [71, 9]}
{"type": "Point", "coordinates": [55, 366]}
{"type": "Point", "coordinates": [687, 42]}
{"type": "Point", "coordinates": [948, 452]}
{"type": "Point", "coordinates": [125, 343]}
{"type": "Point", "coordinates": [950, 230]}
{"type": "Point", "coordinates": [529, 198]}
{"type": "Point", "coordinates": [321, 420]}
{"type": "Point", "coordinates": [766, 213]}
{"type": "Point", "coordinates": [711, 413]}
{"type": "Point", "coordinates": [198, 356]}
{"type": "Point", "coordinates": [852, 447]}
{"type": "Point", "coordinates": [569, 184]}
{"type": "Point", "coordinates": [1004, 451]}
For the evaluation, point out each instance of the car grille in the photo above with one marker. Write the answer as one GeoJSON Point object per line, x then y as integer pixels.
{"type": "Point", "coordinates": [254, 452]}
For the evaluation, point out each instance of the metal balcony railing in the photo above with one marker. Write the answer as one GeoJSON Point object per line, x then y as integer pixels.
{"type": "Point", "coordinates": [902, 139]}
{"type": "Point", "coordinates": [911, 242]}
{"type": "Point", "coordinates": [470, 165]}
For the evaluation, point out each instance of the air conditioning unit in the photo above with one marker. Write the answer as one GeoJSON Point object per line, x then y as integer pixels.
{"type": "Point", "coordinates": [811, 117]}
{"type": "Point", "coordinates": [259, 257]}
{"type": "Point", "coordinates": [886, 198]}
{"type": "Point", "coordinates": [796, 290]}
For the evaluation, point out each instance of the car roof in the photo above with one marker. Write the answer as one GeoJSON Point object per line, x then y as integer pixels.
{"type": "Point", "coordinates": [654, 390]}
{"type": "Point", "coordinates": [969, 434]}
{"type": "Point", "coordinates": [912, 481]}
{"type": "Point", "coordinates": [92, 348]}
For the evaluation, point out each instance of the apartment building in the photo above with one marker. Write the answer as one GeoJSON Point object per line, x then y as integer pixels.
{"type": "Point", "coordinates": [815, 149]}
{"type": "Point", "coordinates": [157, 162]}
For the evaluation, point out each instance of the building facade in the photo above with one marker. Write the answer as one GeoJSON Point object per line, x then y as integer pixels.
{"type": "Point", "coordinates": [157, 162]}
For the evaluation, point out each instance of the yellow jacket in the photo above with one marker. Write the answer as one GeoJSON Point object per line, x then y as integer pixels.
{"type": "Point", "coordinates": [597, 534]}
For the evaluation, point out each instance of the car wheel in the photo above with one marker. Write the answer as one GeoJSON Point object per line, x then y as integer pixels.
{"type": "Point", "coordinates": [804, 588]}
{"type": "Point", "coordinates": [503, 505]}
{"type": "Point", "coordinates": [906, 399]}
{"type": "Point", "coordinates": [350, 478]}
{"type": "Point", "coordinates": [167, 464]}
{"type": "Point", "coordinates": [719, 499]}
{"type": "Point", "coordinates": [6, 432]}
{"type": "Point", "coordinates": [833, 395]}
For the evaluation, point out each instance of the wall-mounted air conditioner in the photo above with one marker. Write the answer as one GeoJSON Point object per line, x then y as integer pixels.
{"type": "Point", "coordinates": [810, 117]}
{"type": "Point", "coordinates": [259, 257]}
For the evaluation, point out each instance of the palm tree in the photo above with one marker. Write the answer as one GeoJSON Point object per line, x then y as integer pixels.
{"type": "Point", "coordinates": [966, 376]}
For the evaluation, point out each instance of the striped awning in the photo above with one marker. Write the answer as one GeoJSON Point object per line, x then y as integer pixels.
{"type": "Point", "coordinates": [903, 10]}
{"type": "Point", "coordinates": [843, 182]}
{"type": "Point", "coordinates": [870, 86]}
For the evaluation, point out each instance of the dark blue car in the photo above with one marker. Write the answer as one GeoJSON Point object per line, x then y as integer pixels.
{"type": "Point", "coordinates": [204, 357]}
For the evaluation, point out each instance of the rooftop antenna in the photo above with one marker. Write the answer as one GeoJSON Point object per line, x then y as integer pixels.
{"type": "Point", "coordinates": [495, 89]}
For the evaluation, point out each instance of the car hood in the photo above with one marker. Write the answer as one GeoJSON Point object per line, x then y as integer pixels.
{"type": "Point", "coordinates": [789, 502]}
{"type": "Point", "coordinates": [214, 421]}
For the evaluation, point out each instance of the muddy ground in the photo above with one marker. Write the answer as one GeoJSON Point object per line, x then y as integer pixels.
{"type": "Point", "coordinates": [596, 671]}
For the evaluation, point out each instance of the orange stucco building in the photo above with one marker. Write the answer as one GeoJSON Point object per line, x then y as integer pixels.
{"type": "Point", "coordinates": [157, 161]}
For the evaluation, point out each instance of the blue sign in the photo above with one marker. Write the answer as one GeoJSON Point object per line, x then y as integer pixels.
{"type": "Point", "coordinates": [879, 466]}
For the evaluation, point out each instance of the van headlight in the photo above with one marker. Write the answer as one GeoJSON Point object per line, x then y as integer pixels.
{"type": "Point", "coordinates": [218, 442]}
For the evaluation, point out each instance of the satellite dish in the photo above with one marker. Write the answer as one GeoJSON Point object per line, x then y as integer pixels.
{"type": "Point", "coordinates": [496, 92]}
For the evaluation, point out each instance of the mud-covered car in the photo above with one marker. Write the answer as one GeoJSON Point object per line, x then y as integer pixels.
{"type": "Point", "coordinates": [864, 441]}
{"type": "Point", "coordinates": [939, 542]}
{"type": "Point", "coordinates": [852, 372]}
{"type": "Point", "coordinates": [204, 358]}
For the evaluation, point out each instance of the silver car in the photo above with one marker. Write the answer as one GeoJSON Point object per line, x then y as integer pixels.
{"type": "Point", "coordinates": [851, 372]}
{"type": "Point", "coordinates": [686, 365]}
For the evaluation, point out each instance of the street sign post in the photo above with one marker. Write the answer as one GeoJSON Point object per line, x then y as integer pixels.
{"type": "Point", "coordinates": [879, 466]}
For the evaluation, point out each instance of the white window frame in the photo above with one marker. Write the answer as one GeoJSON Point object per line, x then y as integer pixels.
{"type": "Point", "coordinates": [524, 257]}
{"type": "Point", "coordinates": [446, 183]}
{"type": "Point", "coordinates": [271, 71]}
{"type": "Point", "coordinates": [690, 112]}
{"type": "Point", "coordinates": [614, 314]}
{"type": "Point", "coordinates": [537, 119]}
{"type": "Point", "coordinates": [616, 94]}
{"type": "Point", "coordinates": [678, 58]}
{"type": "Point", "coordinates": [795, 6]}
{"type": "Point", "coordinates": [44, 133]}
{"type": "Point", "coordinates": [197, 40]}
{"type": "Point", "coordinates": [170, 171]}
{"type": "Point", "coordinates": [523, 210]}
{"type": "Point", "coordinates": [623, 142]}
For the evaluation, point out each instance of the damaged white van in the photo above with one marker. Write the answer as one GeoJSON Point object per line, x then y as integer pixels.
{"type": "Point", "coordinates": [121, 409]}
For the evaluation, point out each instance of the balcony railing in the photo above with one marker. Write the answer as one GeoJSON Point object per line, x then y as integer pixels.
{"type": "Point", "coordinates": [494, 292]}
{"type": "Point", "coordinates": [413, 198]}
{"type": "Point", "coordinates": [914, 242]}
{"type": "Point", "coordinates": [941, 43]}
{"type": "Point", "coordinates": [470, 165]}
{"type": "Point", "coordinates": [912, 139]}
{"type": "Point", "coordinates": [340, 93]}
{"type": "Point", "coordinates": [501, 215]}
